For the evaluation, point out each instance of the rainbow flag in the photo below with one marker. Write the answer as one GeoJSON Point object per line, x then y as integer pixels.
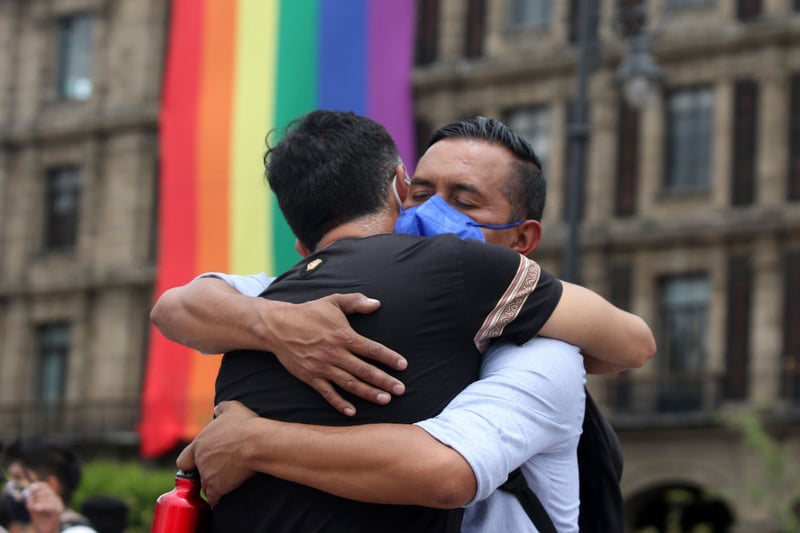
{"type": "Point", "coordinates": [236, 70]}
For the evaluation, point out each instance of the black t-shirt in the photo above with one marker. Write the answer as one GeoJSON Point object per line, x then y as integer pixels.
{"type": "Point", "coordinates": [442, 301]}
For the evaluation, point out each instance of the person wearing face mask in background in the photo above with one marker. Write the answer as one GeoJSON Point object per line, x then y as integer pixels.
{"type": "Point", "coordinates": [42, 478]}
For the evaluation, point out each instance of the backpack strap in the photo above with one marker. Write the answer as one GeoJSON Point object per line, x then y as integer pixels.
{"type": "Point", "coordinates": [517, 485]}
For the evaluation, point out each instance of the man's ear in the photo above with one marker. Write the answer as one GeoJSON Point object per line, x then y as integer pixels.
{"type": "Point", "coordinates": [403, 180]}
{"type": "Point", "coordinates": [54, 483]}
{"type": "Point", "coordinates": [301, 248]}
{"type": "Point", "coordinates": [528, 237]}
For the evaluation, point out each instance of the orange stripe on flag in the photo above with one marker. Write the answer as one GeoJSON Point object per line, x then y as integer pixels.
{"type": "Point", "coordinates": [213, 184]}
{"type": "Point", "coordinates": [214, 131]}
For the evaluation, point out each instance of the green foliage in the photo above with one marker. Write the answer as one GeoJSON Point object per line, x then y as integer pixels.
{"type": "Point", "coordinates": [767, 448]}
{"type": "Point", "coordinates": [780, 476]}
{"type": "Point", "coordinates": [132, 482]}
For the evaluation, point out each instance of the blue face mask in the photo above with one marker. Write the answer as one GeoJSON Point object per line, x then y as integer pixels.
{"type": "Point", "coordinates": [436, 217]}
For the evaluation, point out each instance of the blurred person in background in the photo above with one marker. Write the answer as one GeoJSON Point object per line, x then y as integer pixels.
{"type": "Point", "coordinates": [42, 477]}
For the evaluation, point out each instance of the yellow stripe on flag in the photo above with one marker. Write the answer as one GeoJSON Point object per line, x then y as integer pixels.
{"type": "Point", "coordinates": [253, 116]}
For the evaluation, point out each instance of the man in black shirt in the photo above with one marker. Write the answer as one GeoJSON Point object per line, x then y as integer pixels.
{"type": "Point", "coordinates": [332, 175]}
{"type": "Point", "coordinates": [465, 294]}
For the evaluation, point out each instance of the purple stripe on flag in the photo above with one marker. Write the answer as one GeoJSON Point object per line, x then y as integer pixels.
{"type": "Point", "coordinates": [390, 44]}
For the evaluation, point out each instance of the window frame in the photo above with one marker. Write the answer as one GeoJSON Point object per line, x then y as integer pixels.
{"type": "Point", "coordinates": [61, 231]}
{"type": "Point", "coordinates": [49, 349]}
{"type": "Point", "coordinates": [70, 72]}
{"type": "Point", "coordinates": [535, 115]}
{"type": "Point", "coordinates": [682, 380]}
{"type": "Point", "coordinates": [699, 98]}
{"type": "Point", "coordinates": [516, 20]}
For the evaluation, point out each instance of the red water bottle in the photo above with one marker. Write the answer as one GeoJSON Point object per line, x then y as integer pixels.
{"type": "Point", "coordinates": [182, 510]}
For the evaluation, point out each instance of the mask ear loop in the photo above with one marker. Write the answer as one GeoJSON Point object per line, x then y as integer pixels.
{"type": "Point", "coordinates": [406, 176]}
{"type": "Point", "coordinates": [397, 194]}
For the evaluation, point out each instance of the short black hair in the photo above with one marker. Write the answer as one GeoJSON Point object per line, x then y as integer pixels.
{"type": "Point", "coordinates": [528, 191]}
{"type": "Point", "coordinates": [331, 167]}
{"type": "Point", "coordinates": [48, 458]}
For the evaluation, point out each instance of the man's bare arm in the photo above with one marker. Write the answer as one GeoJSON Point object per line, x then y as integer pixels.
{"type": "Point", "coordinates": [603, 332]}
{"type": "Point", "coordinates": [313, 340]}
{"type": "Point", "coordinates": [596, 366]}
{"type": "Point", "coordinates": [378, 463]}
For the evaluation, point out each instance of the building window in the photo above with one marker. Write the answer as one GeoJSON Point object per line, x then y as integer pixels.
{"type": "Point", "coordinates": [62, 207]}
{"type": "Point", "coordinates": [75, 57]}
{"type": "Point", "coordinates": [475, 29]}
{"type": "Point", "coordinates": [530, 13]}
{"type": "Point", "coordinates": [793, 191]}
{"type": "Point", "coordinates": [739, 299]}
{"type": "Point", "coordinates": [790, 384]}
{"type": "Point", "coordinates": [427, 31]}
{"type": "Point", "coordinates": [682, 345]}
{"type": "Point", "coordinates": [745, 133]}
{"type": "Point", "coordinates": [690, 139]}
{"type": "Point", "coordinates": [627, 160]}
{"type": "Point", "coordinates": [748, 9]}
{"type": "Point", "coordinates": [52, 346]}
{"type": "Point", "coordinates": [533, 124]}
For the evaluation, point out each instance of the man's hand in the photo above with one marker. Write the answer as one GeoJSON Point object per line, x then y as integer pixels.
{"type": "Point", "coordinates": [316, 344]}
{"type": "Point", "coordinates": [45, 507]}
{"type": "Point", "coordinates": [218, 451]}
{"type": "Point", "coordinates": [313, 340]}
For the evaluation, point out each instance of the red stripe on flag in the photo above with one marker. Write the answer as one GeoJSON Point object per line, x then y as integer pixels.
{"type": "Point", "coordinates": [164, 394]}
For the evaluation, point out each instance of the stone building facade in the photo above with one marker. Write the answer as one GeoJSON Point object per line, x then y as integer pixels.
{"type": "Point", "coordinates": [80, 85]}
{"type": "Point", "coordinates": [690, 218]}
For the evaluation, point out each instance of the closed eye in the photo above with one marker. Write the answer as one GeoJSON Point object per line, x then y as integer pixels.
{"type": "Point", "coordinates": [463, 204]}
{"type": "Point", "coordinates": [417, 197]}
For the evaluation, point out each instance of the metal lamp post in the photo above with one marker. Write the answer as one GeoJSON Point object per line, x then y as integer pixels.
{"type": "Point", "coordinates": [639, 77]}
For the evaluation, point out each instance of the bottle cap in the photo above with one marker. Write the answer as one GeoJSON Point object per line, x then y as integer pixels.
{"type": "Point", "coordinates": [192, 475]}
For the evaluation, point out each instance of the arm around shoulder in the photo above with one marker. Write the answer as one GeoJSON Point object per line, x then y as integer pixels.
{"type": "Point", "coordinates": [211, 316]}
{"type": "Point", "coordinates": [615, 338]}
{"type": "Point", "coordinates": [378, 463]}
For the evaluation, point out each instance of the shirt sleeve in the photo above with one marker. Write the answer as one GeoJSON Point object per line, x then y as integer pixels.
{"type": "Point", "coordinates": [512, 294]}
{"type": "Point", "coordinates": [529, 400]}
{"type": "Point", "coordinates": [250, 285]}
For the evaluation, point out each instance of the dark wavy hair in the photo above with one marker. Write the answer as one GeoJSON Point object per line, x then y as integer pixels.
{"type": "Point", "coordinates": [331, 167]}
{"type": "Point", "coordinates": [48, 458]}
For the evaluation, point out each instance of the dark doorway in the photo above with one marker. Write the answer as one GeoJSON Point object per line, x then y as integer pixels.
{"type": "Point", "coordinates": [678, 508]}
